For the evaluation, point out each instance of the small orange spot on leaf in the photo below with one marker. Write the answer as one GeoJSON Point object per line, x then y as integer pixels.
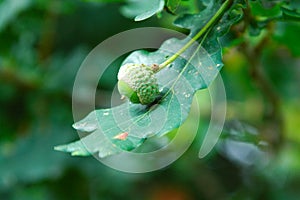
{"type": "Point", "coordinates": [121, 136]}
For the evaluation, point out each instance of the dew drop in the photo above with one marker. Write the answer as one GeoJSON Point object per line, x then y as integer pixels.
{"type": "Point", "coordinates": [106, 113]}
{"type": "Point", "coordinates": [85, 126]}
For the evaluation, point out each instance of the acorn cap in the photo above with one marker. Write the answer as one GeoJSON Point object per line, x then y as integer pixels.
{"type": "Point", "coordinates": [138, 83]}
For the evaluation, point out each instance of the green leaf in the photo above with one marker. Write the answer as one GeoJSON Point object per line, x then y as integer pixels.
{"type": "Point", "coordinates": [265, 12]}
{"type": "Point", "coordinates": [97, 142]}
{"type": "Point", "coordinates": [126, 127]}
{"type": "Point", "coordinates": [242, 144]}
{"type": "Point", "coordinates": [172, 5]}
{"type": "Point", "coordinates": [288, 14]}
{"type": "Point", "coordinates": [259, 10]}
{"type": "Point", "coordinates": [195, 22]}
{"type": "Point", "coordinates": [285, 35]}
{"type": "Point", "coordinates": [142, 9]}
{"type": "Point", "coordinates": [9, 9]}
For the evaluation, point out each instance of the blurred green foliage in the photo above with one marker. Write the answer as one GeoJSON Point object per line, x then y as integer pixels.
{"type": "Point", "coordinates": [42, 44]}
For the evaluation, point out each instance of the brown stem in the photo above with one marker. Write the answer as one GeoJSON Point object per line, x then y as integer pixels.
{"type": "Point", "coordinates": [48, 31]}
{"type": "Point", "coordinates": [11, 76]}
{"type": "Point", "coordinates": [273, 127]}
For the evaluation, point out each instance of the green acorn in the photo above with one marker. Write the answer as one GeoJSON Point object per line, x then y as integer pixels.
{"type": "Point", "coordinates": [137, 82]}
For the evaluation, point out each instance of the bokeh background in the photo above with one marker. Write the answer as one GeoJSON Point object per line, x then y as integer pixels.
{"type": "Point", "coordinates": [43, 43]}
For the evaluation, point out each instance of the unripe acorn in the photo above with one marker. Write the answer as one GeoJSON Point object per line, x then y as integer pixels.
{"type": "Point", "coordinates": [137, 82]}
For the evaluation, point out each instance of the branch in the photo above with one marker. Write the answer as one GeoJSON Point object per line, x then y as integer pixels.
{"type": "Point", "coordinates": [274, 127]}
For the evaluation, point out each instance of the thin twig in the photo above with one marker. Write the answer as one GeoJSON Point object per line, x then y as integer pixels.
{"type": "Point", "coordinates": [274, 127]}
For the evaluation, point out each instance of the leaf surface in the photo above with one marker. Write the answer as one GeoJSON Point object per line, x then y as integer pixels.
{"type": "Point", "coordinates": [142, 9]}
{"type": "Point", "coordinates": [172, 5]}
